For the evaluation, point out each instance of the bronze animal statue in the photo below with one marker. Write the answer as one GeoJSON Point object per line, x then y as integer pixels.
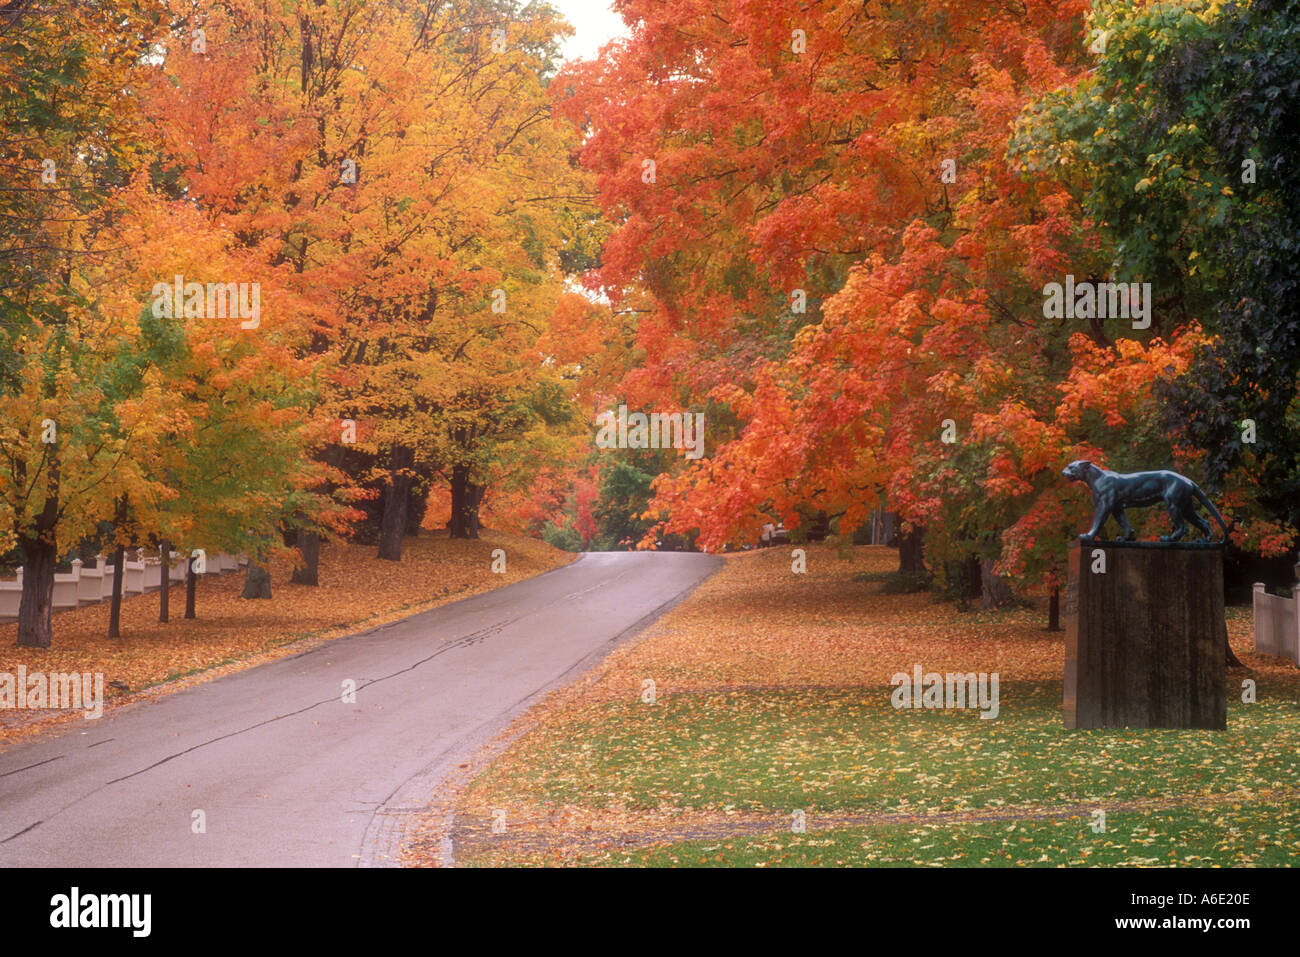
{"type": "Point", "coordinates": [1112, 492]}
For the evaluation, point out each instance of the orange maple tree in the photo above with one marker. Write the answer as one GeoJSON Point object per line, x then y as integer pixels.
{"type": "Point", "coordinates": [837, 261]}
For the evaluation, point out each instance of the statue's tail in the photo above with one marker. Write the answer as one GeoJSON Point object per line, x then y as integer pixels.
{"type": "Point", "coordinates": [1205, 500]}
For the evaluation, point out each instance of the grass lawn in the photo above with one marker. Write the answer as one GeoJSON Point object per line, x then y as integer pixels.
{"type": "Point", "coordinates": [1237, 835]}
{"type": "Point", "coordinates": [773, 694]}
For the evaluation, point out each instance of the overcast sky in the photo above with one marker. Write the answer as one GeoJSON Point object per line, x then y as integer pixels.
{"type": "Point", "coordinates": [594, 22]}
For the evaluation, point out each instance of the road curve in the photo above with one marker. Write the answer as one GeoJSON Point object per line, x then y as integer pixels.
{"type": "Point", "coordinates": [285, 772]}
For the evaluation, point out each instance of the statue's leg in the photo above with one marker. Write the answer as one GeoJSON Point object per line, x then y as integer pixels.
{"type": "Point", "coordinates": [1180, 525]}
{"type": "Point", "coordinates": [1098, 520]}
{"type": "Point", "coordinates": [1199, 522]}
{"type": "Point", "coordinates": [1126, 530]}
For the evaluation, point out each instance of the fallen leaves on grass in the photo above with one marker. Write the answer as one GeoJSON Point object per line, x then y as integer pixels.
{"type": "Point", "coordinates": [1183, 830]}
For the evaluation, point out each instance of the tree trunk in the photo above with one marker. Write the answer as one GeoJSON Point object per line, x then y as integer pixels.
{"type": "Point", "coordinates": [910, 551]}
{"type": "Point", "coordinates": [115, 605]}
{"type": "Point", "coordinates": [257, 583]}
{"type": "Point", "coordinates": [1054, 610]}
{"type": "Point", "coordinates": [417, 505]}
{"type": "Point", "coordinates": [972, 575]}
{"type": "Point", "coordinates": [392, 525]}
{"type": "Point", "coordinates": [165, 582]}
{"type": "Point", "coordinates": [888, 528]}
{"type": "Point", "coordinates": [308, 544]}
{"type": "Point", "coordinates": [37, 604]}
{"type": "Point", "coordinates": [994, 590]}
{"type": "Point", "coordinates": [465, 499]}
{"type": "Point", "coordinates": [307, 541]}
{"type": "Point", "coordinates": [475, 500]}
{"type": "Point", "coordinates": [964, 585]}
{"type": "Point", "coordinates": [191, 583]}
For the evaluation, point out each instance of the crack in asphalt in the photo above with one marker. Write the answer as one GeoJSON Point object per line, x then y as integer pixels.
{"type": "Point", "coordinates": [29, 827]}
{"type": "Point", "coordinates": [58, 757]}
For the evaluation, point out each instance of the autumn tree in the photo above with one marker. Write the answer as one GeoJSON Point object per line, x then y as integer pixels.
{"type": "Point", "coordinates": [68, 134]}
{"type": "Point", "coordinates": [400, 162]}
{"type": "Point", "coordinates": [233, 427]}
{"type": "Point", "coordinates": [838, 258]}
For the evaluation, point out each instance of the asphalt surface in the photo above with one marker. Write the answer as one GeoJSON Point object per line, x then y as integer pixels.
{"type": "Point", "coordinates": [285, 772]}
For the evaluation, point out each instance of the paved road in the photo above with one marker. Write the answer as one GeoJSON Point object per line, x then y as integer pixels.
{"type": "Point", "coordinates": [284, 771]}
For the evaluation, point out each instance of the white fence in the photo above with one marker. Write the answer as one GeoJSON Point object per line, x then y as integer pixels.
{"type": "Point", "coordinates": [86, 586]}
{"type": "Point", "coordinates": [1277, 622]}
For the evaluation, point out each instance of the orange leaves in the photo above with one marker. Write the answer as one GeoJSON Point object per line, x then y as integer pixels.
{"type": "Point", "coordinates": [874, 186]}
{"type": "Point", "coordinates": [1115, 383]}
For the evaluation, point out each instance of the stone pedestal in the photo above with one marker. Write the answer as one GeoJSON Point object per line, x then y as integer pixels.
{"type": "Point", "coordinates": [1145, 640]}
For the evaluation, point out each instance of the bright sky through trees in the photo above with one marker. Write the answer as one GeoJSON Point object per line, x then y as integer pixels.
{"type": "Point", "coordinates": [595, 24]}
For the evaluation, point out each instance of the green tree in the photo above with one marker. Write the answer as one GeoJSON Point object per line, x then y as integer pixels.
{"type": "Point", "coordinates": [1182, 145]}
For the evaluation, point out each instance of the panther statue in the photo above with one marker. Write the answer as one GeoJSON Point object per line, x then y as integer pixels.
{"type": "Point", "coordinates": [1112, 492]}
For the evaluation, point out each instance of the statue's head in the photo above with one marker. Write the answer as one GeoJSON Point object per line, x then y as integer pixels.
{"type": "Point", "coordinates": [1077, 470]}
